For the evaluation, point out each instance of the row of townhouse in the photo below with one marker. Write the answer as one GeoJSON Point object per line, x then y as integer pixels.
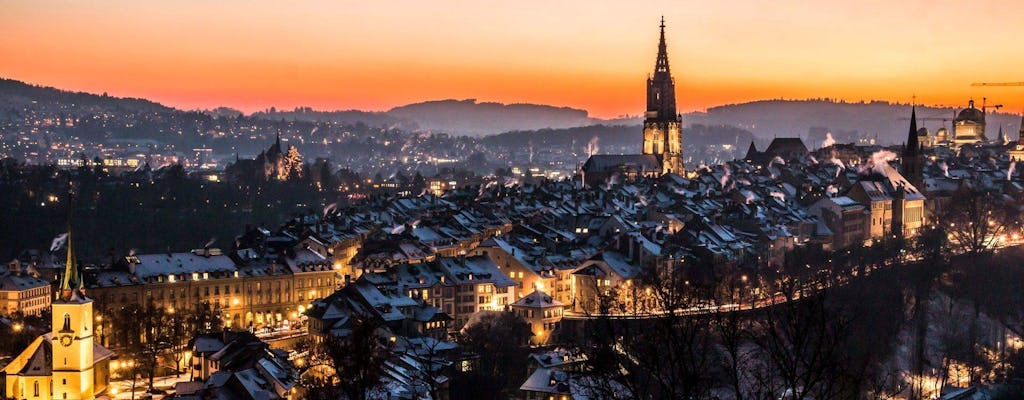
{"type": "Point", "coordinates": [247, 290]}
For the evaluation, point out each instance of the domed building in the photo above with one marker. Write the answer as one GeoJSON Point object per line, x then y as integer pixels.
{"type": "Point", "coordinates": [941, 135]}
{"type": "Point", "coordinates": [925, 138]}
{"type": "Point", "coordinates": [969, 126]}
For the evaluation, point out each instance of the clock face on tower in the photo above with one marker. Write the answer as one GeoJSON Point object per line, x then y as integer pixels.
{"type": "Point", "coordinates": [65, 341]}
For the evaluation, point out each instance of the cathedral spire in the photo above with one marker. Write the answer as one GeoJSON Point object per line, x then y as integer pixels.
{"type": "Point", "coordinates": [661, 65]}
{"type": "Point", "coordinates": [912, 147]}
{"type": "Point", "coordinates": [661, 91]}
{"type": "Point", "coordinates": [71, 284]}
{"type": "Point", "coordinates": [912, 161]}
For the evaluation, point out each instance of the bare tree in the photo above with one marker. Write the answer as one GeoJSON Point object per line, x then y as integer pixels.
{"type": "Point", "coordinates": [357, 360]}
{"type": "Point", "coordinates": [802, 343]}
{"type": "Point", "coordinates": [157, 331]}
{"type": "Point", "coordinates": [734, 348]}
{"type": "Point", "coordinates": [500, 340]}
{"type": "Point", "coordinates": [975, 220]}
{"type": "Point", "coordinates": [659, 348]}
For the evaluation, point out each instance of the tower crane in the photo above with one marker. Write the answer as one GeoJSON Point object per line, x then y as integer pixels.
{"type": "Point", "coordinates": [984, 105]}
{"type": "Point", "coordinates": [997, 84]}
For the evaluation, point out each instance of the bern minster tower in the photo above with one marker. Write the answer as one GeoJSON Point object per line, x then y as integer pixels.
{"type": "Point", "coordinates": [663, 136]}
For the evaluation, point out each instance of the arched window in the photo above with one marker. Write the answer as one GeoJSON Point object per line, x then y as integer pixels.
{"type": "Point", "coordinates": [67, 323]}
{"type": "Point", "coordinates": [35, 388]}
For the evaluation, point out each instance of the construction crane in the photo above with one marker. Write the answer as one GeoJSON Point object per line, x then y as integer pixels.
{"type": "Point", "coordinates": [928, 119]}
{"type": "Point", "coordinates": [934, 117]}
{"type": "Point", "coordinates": [997, 84]}
{"type": "Point", "coordinates": [984, 105]}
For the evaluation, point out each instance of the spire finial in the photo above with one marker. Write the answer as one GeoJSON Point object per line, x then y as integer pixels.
{"type": "Point", "coordinates": [72, 280]}
{"type": "Point", "coordinates": [661, 65]}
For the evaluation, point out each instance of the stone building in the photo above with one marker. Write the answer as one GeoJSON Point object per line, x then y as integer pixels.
{"type": "Point", "coordinates": [66, 363]}
{"type": "Point", "coordinates": [662, 147]}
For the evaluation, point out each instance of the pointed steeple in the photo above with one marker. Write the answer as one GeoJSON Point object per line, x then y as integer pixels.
{"type": "Point", "coordinates": [752, 152]}
{"type": "Point", "coordinates": [279, 139]}
{"type": "Point", "coordinates": [71, 284]}
{"type": "Point", "coordinates": [1002, 139]}
{"type": "Point", "coordinates": [912, 161]}
{"type": "Point", "coordinates": [661, 65]}
{"type": "Point", "coordinates": [661, 88]}
{"type": "Point", "coordinates": [912, 147]}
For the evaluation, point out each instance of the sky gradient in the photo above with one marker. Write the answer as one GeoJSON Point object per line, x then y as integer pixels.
{"type": "Point", "coordinates": [593, 55]}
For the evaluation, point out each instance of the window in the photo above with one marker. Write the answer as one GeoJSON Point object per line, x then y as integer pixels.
{"type": "Point", "coordinates": [35, 389]}
{"type": "Point", "coordinates": [67, 322]}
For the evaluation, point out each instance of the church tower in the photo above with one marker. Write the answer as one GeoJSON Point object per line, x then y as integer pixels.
{"type": "Point", "coordinates": [663, 135]}
{"type": "Point", "coordinates": [912, 160]}
{"type": "Point", "coordinates": [72, 341]}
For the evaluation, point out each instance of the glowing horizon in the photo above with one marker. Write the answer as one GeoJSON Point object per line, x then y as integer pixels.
{"type": "Point", "coordinates": [589, 55]}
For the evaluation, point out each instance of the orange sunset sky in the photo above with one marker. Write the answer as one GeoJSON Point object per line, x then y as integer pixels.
{"type": "Point", "coordinates": [595, 55]}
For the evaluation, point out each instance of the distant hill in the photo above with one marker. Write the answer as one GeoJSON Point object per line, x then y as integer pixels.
{"type": "Point", "coordinates": [468, 117]}
{"type": "Point", "coordinates": [812, 119]}
{"type": "Point", "coordinates": [605, 135]}
{"type": "Point", "coordinates": [17, 94]}
{"type": "Point", "coordinates": [346, 117]}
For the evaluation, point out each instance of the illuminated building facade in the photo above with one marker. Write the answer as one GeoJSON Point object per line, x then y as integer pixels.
{"type": "Point", "coordinates": [1016, 151]}
{"type": "Point", "coordinates": [969, 126]}
{"type": "Point", "coordinates": [21, 292]}
{"type": "Point", "coordinates": [65, 363]}
{"type": "Point", "coordinates": [248, 291]}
